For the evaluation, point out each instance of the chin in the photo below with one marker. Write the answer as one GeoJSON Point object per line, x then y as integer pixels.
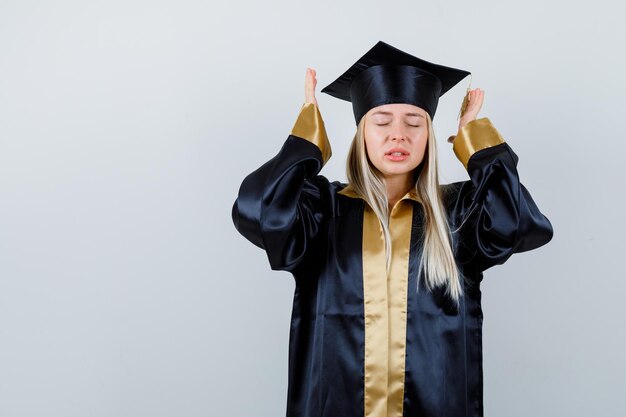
{"type": "Point", "coordinates": [397, 170]}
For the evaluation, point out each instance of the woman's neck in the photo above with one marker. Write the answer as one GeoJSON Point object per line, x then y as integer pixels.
{"type": "Point", "coordinates": [397, 186]}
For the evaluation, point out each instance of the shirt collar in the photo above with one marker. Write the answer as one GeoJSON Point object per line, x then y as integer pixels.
{"type": "Point", "coordinates": [350, 192]}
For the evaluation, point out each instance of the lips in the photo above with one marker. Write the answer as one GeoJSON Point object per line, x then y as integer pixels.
{"type": "Point", "coordinates": [397, 155]}
{"type": "Point", "coordinates": [394, 150]}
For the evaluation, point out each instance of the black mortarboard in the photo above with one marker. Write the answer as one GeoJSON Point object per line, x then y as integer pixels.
{"type": "Point", "coordinates": [387, 75]}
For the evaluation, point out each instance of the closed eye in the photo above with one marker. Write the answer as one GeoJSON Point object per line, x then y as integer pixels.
{"type": "Point", "coordinates": [385, 124]}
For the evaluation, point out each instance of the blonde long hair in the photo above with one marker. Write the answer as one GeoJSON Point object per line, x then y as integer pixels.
{"type": "Point", "coordinates": [437, 257]}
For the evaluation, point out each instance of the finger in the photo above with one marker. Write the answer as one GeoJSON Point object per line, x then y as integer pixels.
{"type": "Point", "coordinates": [309, 90]}
{"type": "Point", "coordinates": [479, 101]}
{"type": "Point", "coordinates": [472, 101]}
{"type": "Point", "coordinates": [307, 85]}
{"type": "Point", "coordinates": [311, 76]}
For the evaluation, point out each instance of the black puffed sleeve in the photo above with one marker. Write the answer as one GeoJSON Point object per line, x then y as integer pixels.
{"type": "Point", "coordinates": [493, 213]}
{"type": "Point", "coordinates": [281, 207]}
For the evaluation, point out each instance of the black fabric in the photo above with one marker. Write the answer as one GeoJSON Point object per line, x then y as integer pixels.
{"type": "Point", "coordinates": [306, 228]}
{"type": "Point", "coordinates": [386, 74]}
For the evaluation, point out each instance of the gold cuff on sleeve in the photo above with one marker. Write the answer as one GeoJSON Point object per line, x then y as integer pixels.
{"type": "Point", "coordinates": [310, 126]}
{"type": "Point", "coordinates": [474, 136]}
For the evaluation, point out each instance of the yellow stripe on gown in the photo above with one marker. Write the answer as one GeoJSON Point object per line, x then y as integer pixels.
{"type": "Point", "coordinates": [386, 309]}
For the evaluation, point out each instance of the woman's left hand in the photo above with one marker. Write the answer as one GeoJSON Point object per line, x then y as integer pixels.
{"type": "Point", "coordinates": [476, 97]}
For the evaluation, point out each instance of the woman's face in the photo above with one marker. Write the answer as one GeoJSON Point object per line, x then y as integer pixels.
{"type": "Point", "coordinates": [396, 127]}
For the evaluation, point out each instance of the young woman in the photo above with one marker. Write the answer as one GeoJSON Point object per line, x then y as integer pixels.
{"type": "Point", "coordinates": [387, 317]}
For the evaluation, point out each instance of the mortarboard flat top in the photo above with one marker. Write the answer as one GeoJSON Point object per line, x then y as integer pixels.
{"type": "Point", "coordinates": [386, 74]}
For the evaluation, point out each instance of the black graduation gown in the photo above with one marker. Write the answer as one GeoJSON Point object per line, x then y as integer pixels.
{"type": "Point", "coordinates": [361, 343]}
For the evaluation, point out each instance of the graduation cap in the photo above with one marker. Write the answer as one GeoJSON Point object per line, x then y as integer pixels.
{"type": "Point", "coordinates": [386, 74]}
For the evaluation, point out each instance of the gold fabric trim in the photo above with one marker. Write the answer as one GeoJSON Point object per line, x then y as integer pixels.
{"type": "Point", "coordinates": [310, 126]}
{"type": "Point", "coordinates": [348, 191]}
{"type": "Point", "coordinates": [400, 229]}
{"type": "Point", "coordinates": [473, 137]}
{"type": "Point", "coordinates": [385, 307]}
{"type": "Point", "coordinates": [376, 317]}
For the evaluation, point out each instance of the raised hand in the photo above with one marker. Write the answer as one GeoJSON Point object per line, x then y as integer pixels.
{"type": "Point", "coordinates": [476, 97]}
{"type": "Point", "coordinates": [309, 86]}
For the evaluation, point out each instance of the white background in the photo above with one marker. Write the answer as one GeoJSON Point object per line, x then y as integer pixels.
{"type": "Point", "coordinates": [126, 128]}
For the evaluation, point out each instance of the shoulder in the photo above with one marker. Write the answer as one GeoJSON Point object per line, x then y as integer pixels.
{"type": "Point", "coordinates": [338, 196]}
{"type": "Point", "coordinates": [456, 196]}
{"type": "Point", "coordinates": [450, 192]}
{"type": "Point", "coordinates": [327, 190]}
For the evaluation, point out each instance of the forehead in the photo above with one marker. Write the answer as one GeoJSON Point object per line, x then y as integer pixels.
{"type": "Point", "coordinates": [398, 109]}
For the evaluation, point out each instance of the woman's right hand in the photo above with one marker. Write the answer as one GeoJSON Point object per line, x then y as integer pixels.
{"type": "Point", "coordinates": [309, 86]}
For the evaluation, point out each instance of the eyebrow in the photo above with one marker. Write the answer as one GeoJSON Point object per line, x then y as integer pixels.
{"type": "Point", "coordinates": [390, 114]}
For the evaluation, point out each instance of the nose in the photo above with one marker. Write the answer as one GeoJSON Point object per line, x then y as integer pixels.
{"type": "Point", "coordinates": [397, 133]}
{"type": "Point", "coordinates": [397, 136]}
